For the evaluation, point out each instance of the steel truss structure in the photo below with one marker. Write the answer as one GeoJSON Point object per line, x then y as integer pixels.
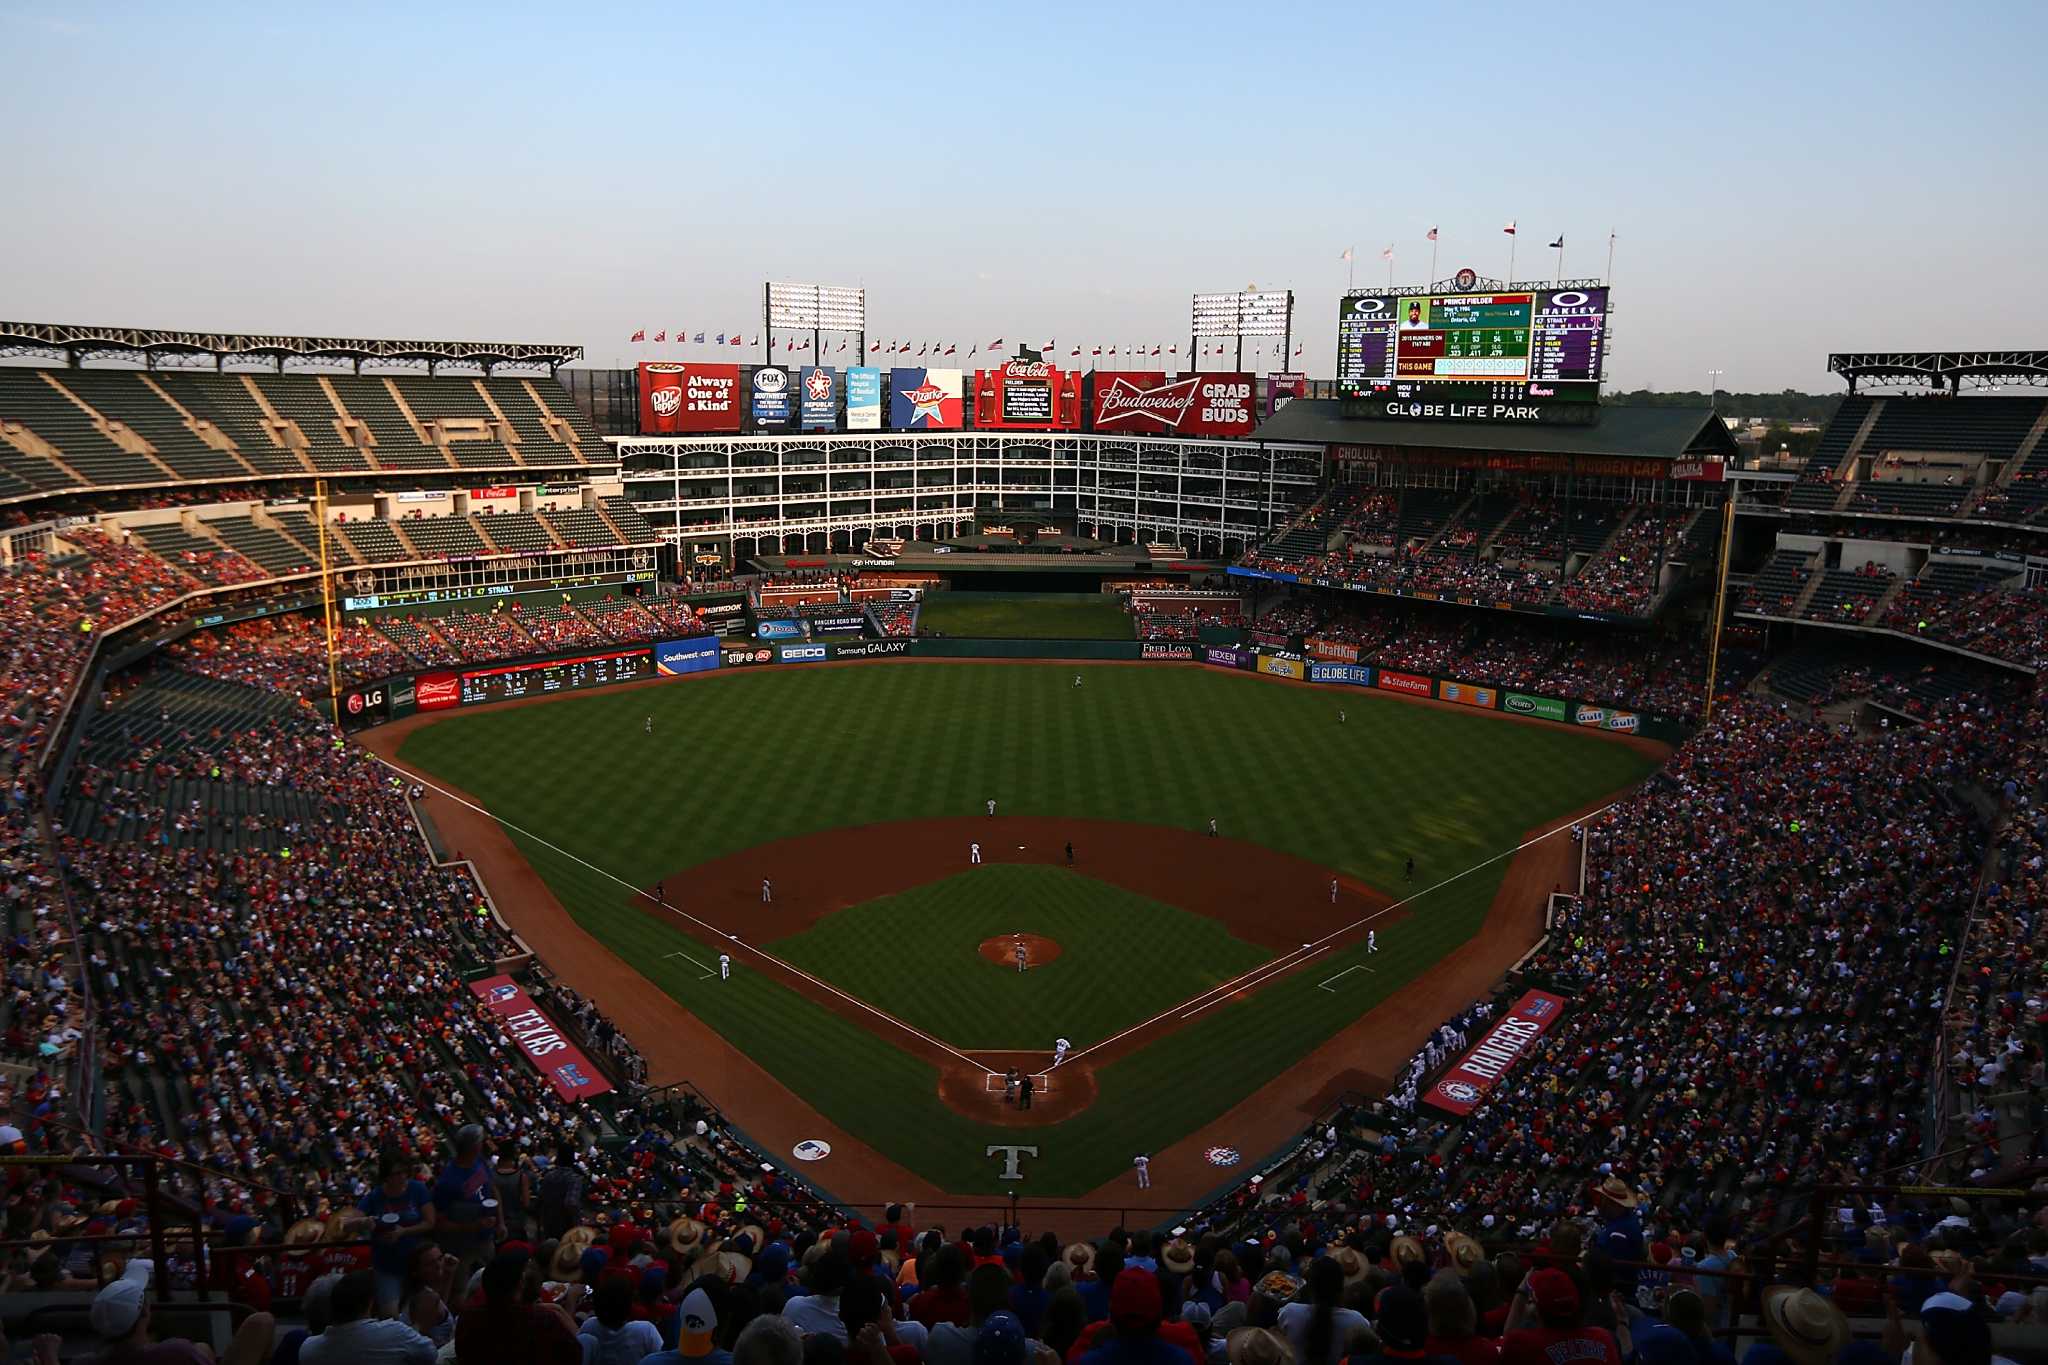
{"type": "Point", "coordinates": [1941, 369]}
{"type": "Point", "coordinates": [75, 345]}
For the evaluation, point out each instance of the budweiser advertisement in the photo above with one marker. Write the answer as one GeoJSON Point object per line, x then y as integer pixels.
{"type": "Point", "coordinates": [680, 398]}
{"type": "Point", "coordinates": [924, 400]}
{"type": "Point", "coordinates": [1027, 395]}
{"type": "Point", "coordinates": [1190, 405]}
{"type": "Point", "coordinates": [540, 1042]}
{"type": "Point", "coordinates": [1510, 1037]}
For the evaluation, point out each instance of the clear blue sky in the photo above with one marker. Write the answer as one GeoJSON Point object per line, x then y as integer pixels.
{"type": "Point", "coordinates": [1784, 179]}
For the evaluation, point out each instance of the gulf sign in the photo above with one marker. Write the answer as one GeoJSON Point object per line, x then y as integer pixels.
{"type": "Point", "coordinates": [688, 397]}
{"type": "Point", "coordinates": [1190, 405]}
{"type": "Point", "coordinates": [924, 400]}
{"type": "Point", "coordinates": [1461, 1089]}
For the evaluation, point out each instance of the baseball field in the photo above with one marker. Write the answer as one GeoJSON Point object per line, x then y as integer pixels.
{"type": "Point", "coordinates": [1187, 970]}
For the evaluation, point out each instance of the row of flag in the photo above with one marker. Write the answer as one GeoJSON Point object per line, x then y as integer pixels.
{"type": "Point", "coordinates": [1387, 252]}
{"type": "Point", "coordinates": [935, 348]}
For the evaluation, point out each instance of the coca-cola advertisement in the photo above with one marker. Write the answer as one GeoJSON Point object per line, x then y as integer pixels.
{"type": "Point", "coordinates": [1149, 402]}
{"type": "Point", "coordinates": [1027, 395]}
{"type": "Point", "coordinates": [688, 397]}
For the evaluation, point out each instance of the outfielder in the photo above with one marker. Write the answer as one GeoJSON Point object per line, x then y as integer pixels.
{"type": "Point", "coordinates": [767, 891]}
{"type": "Point", "coordinates": [1060, 1048]}
{"type": "Point", "coordinates": [725, 966]}
{"type": "Point", "coordinates": [991, 808]}
{"type": "Point", "coordinates": [1212, 827]}
{"type": "Point", "coordinates": [1144, 1165]}
{"type": "Point", "coordinates": [1341, 716]}
{"type": "Point", "coordinates": [1077, 680]}
{"type": "Point", "coordinates": [974, 853]}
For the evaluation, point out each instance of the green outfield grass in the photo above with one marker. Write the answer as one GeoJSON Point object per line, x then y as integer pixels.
{"type": "Point", "coordinates": [741, 758]}
{"type": "Point", "coordinates": [1026, 616]}
{"type": "Point", "coordinates": [916, 956]}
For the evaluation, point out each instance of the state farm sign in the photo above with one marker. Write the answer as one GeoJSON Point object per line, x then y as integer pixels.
{"type": "Point", "coordinates": [1193, 405]}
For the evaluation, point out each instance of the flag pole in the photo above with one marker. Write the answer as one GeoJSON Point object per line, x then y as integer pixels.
{"type": "Point", "coordinates": [1610, 256]}
{"type": "Point", "coordinates": [1510, 280]}
{"type": "Point", "coordinates": [1432, 256]}
{"type": "Point", "coordinates": [1390, 267]}
{"type": "Point", "coordinates": [1350, 267]}
{"type": "Point", "coordinates": [1560, 260]}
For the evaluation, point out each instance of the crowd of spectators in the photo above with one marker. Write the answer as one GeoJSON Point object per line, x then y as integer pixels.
{"type": "Point", "coordinates": [1622, 578]}
{"type": "Point", "coordinates": [1180, 618]}
{"type": "Point", "coordinates": [895, 618]}
{"type": "Point", "coordinates": [2005, 623]}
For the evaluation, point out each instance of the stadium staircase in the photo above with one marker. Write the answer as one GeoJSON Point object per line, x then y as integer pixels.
{"type": "Point", "coordinates": [1843, 596]}
{"type": "Point", "coordinates": [1819, 488]}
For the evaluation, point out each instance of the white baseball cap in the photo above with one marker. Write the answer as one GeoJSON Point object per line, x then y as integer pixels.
{"type": "Point", "coordinates": [116, 1308]}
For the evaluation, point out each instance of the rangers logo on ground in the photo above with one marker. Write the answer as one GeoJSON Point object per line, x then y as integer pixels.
{"type": "Point", "coordinates": [1223, 1156]}
{"type": "Point", "coordinates": [811, 1149]}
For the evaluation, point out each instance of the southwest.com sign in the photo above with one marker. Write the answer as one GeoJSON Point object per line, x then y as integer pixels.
{"type": "Point", "coordinates": [673, 658]}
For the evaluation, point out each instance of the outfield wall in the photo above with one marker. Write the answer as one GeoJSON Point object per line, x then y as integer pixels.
{"type": "Point", "coordinates": [442, 689]}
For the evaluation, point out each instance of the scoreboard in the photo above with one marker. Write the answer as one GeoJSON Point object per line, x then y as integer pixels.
{"type": "Point", "coordinates": [1467, 354]}
{"type": "Point", "coordinates": [547, 676]}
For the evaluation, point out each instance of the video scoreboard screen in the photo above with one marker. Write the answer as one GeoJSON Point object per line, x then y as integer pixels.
{"type": "Point", "coordinates": [549, 676]}
{"type": "Point", "coordinates": [1511, 355]}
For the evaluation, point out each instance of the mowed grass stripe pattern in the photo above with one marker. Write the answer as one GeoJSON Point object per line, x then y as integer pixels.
{"type": "Point", "coordinates": [1026, 616]}
{"type": "Point", "coordinates": [1123, 957]}
{"type": "Point", "coordinates": [737, 759]}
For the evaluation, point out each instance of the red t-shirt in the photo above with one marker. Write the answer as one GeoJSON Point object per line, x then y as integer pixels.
{"type": "Point", "coordinates": [1559, 1346]}
{"type": "Point", "coordinates": [934, 1306]}
{"type": "Point", "coordinates": [1464, 1350]}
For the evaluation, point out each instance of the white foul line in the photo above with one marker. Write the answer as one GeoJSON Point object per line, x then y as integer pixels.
{"type": "Point", "coordinates": [679, 913]}
{"type": "Point", "coordinates": [1195, 1005]}
{"type": "Point", "coordinates": [694, 963]}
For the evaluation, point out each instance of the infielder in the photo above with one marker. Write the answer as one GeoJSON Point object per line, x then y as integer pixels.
{"type": "Point", "coordinates": [974, 853]}
{"type": "Point", "coordinates": [1022, 956]}
{"type": "Point", "coordinates": [725, 966]}
{"type": "Point", "coordinates": [1372, 940]}
{"type": "Point", "coordinates": [649, 727]}
{"type": "Point", "coordinates": [1333, 890]}
{"type": "Point", "coordinates": [1060, 1048]}
{"type": "Point", "coordinates": [991, 808]}
{"type": "Point", "coordinates": [767, 891]}
{"type": "Point", "coordinates": [1077, 680]}
{"type": "Point", "coordinates": [1408, 874]}
{"type": "Point", "coordinates": [1144, 1165]}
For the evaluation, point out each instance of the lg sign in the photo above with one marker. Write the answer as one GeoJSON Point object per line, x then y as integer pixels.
{"type": "Point", "coordinates": [359, 702]}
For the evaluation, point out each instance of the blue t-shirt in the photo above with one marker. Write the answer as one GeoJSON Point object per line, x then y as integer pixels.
{"type": "Point", "coordinates": [1145, 1350]}
{"type": "Point", "coordinates": [391, 1255]}
{"type": "Point", "coordinates": [466, 1185]}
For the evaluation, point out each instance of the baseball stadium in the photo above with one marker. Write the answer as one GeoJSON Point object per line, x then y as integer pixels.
{"type": "Point", "coordinates": [816, 848]}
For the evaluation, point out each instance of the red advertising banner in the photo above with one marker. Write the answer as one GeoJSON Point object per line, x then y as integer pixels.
{"type": "Point", "coordinates": [1027, 395]}
{"type": "Point", "coordinates": [489, 494]}
{"type": "Point", "coordinates": [438, 691]}
{"type": "Point", "coordinates": [1192, 405]}
{"type": "Point", "coordinates": [1465, 1086]}
{"type": "Point", "coordinates": [1284, 388]}
{"type": "Point", "coordinates": [1333, 651]}
{"type": "Point", "coordinates": [690, 397]}
{"type": "Point", "coordinates": [552, 1055]}
{"type": "Point", "coordinates": [1411, 683]}
{"type": "Point", "coordinates": [1698, 471]}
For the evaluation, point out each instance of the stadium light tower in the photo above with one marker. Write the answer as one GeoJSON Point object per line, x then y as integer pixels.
{"type": "Point", "coordinates": [1246, 313]}
{"type": "Point", "coordinates": [817, 309]}
{"type": "Point", "coordinates": [1714, 389]}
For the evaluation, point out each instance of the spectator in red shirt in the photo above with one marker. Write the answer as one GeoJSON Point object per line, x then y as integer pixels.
{"type": "Point", "coordinates": [1545, 1326]}
{"type": "Point", "coordinates": [508, 1325]}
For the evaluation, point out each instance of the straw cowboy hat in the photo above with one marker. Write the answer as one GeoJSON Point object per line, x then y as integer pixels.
{"type": "Point", "coordinates": [1407, 1251]}
{"type": "Point", "coordinates": [1949, 1263]}
{"type": "Point", "coordinates": [1352, 1262]}
{"type": "Point", "coordinates": [730, 1266]}
{"type": "Point", "coordinates": [346, 1224]}
{"type": "Point", "coordinates": [569, 1251]}
{"type": "Point", "coordinates": [1806, 1326]}
{"type": "Point", "coordinates": [305, 1232]}
{"type": "Point", "coordinates": [1614, 1190]}
{"type": "Point", "coordinates": [1079, 1256]}
{"type": "Point", "coordinates": [1464, 1252]}
{"type": "Point", "coordinates": [685, 1235]}
{"type": "Point", "coordinates": [1257, 1346]}
{"type": "Point", "coordinates": [1178, 1257]}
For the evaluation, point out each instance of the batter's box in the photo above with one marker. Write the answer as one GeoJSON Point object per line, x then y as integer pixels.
{"type": "Point", "coordinates": [1041, 1083]}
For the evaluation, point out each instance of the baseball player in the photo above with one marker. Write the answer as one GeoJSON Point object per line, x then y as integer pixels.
{"type": "Point", "coordinates": [1144, 1166]}
{"type": "Point", "coordinates": [767, 891]}
{"type": "Point", "coordinates": [649, 726]}
{"type": "Point", "coordinates": [1408, 873]}
{"type": "Point", "coordinates": [1372, 940]}
{"type": "Point", "coordinates": [974, 853]}
{"type": "Point", "coordinates": [1024, 1089]}
{"type": "Point", "coordinates": [1341, 716]}
{"type": "Point", "coordinates": [991, 808]}
{"type": "Point", "coordinates": [1060, 1048]}
{"type": "Point", "coordinates": [1070, 853]}
{"type": "Point", "coordinates": [1212, 827]}
{"type": "Point", "coordinates": [661, 893]}
{"type": "Point", "coordinates": [725, 966]}
{"type": "Point", "coordinates": [1023, 957]}
{"type": "Point", "coordinates": [1333, 890]}
{"type": "Point", "coordinates": [1010, 1080]}
{"type": "Point", "coordinates": [1077, 680]}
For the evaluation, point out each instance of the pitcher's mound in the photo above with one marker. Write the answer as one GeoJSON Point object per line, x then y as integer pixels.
{"type": "Point", "coordinates": [1002, 950]}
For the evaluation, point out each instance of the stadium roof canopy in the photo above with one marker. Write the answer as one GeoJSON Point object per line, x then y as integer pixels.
{"type": "Point", "coordinates": [1941, 369]}
{"type": "Point", "coordinates": [1657, 433]}
{"type": "Point", "coordinates": [76, 344]}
